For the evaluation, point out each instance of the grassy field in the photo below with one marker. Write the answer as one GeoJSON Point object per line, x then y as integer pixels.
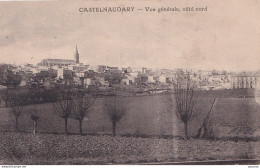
{"type": "Point", "coordinates": [149, 115]}
{"type": "Point", "coordinates": [232, 117]}
{"type": "Point", "coordinates": [237, 117]}
{"type": "Point", "coordinates": [22, 148]}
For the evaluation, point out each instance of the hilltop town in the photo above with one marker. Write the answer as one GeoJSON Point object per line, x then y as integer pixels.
{"type": "Point", "coordinates": [126, 80]}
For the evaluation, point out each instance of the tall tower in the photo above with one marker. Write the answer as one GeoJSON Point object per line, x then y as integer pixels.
{"type": "Point", "coordinates": [77, 55]}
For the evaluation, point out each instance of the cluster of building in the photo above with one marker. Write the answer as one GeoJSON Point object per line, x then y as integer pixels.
{"type": "Point", "coordinates": [50, 72]}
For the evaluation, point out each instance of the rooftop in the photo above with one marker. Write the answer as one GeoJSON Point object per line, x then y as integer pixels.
{"type": "Point", "coordinates": [58, 61]}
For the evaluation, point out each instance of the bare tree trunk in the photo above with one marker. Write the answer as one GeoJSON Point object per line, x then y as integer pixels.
{"type": "Point", "coordinates": [206, 132]}
{"type": "Point", "coordinates": [186, 130]}
{"type": "Point", "coordinates": [16, 123]}
{"type": "Point", "coordinates": [203, 130]}
{"type": "Point", "coordinates": [113, 128]}
{"type": "Point", "coordinates": [80, 127]}
{"type": "Point", "coordinates": [34, 127]}
{"type": "Point", "coordinates": [66, 125]}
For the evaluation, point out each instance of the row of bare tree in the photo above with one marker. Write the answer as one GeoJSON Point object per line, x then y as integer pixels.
{"type": "Point", "coordinates": [77, 105]}
{"type": "Point", "coordinates": [71, 104]}
{"type": "Point", "coordinates": [17, 108]}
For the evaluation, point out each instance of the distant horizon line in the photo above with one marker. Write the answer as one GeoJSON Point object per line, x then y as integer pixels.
{"type": "Point", "coordinates": [139, 67]}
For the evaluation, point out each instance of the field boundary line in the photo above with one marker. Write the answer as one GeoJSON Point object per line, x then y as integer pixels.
{"type": "Point", "coordinates": [204, 162]}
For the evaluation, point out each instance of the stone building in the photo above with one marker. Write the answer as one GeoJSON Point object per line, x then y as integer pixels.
{"type": "Point", "coordinates": [244, 80]}
{"type": "Point", "coordinates": [60, 62]}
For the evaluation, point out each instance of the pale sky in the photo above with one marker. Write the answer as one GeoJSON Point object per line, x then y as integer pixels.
{"type": "Point", "coordinates": [227, 36]}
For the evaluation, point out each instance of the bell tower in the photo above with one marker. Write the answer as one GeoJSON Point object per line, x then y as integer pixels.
{"type": "Point", "coordinates": [77, 55]}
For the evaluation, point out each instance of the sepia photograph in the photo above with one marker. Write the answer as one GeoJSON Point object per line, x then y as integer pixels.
{"type": "Point", "coordinates": [132, 82]}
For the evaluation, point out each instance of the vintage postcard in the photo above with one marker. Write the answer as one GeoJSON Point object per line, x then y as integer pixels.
{"type": "Point", "coordinates": [130, 82]}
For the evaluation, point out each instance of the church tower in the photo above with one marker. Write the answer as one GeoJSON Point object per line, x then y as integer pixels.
{"type": "Point", "coordinates": [77, 56]}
